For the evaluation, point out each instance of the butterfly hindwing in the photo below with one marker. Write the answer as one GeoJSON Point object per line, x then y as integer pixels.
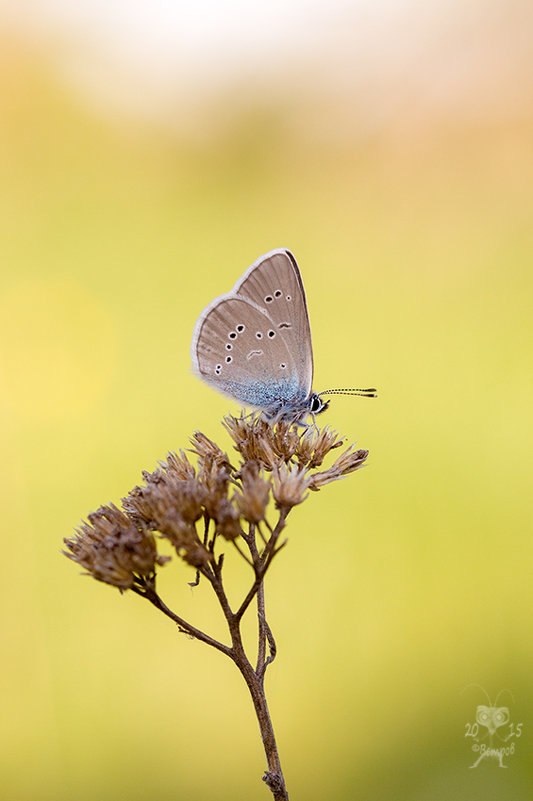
{"type": "Point", "coordinates": [238, 349]}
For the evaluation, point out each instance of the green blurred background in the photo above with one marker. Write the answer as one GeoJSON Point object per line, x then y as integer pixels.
{"type": "Point", "coordinates": [390, 149]}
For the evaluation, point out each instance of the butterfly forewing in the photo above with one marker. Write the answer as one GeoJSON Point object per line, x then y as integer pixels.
{"type": "Point", "coordinates": [237, 348]}
{"type": "Point", "coordinates": [274, 284]}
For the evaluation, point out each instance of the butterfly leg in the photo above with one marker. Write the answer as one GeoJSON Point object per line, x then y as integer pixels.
{"type": "Point", "coordinates": [314, 423]}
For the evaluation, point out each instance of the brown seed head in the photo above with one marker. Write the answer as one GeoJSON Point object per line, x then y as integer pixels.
{"type": "Point", "coordinates": [182, 534]}
{"type": "Point", "coordinates": [306, 446]}
{"type": "Point", "coordinates": [227, 521]}
{"type": "Point", "coordinates": [326, 440]}
{"type": "Point", "coordinates": [215, 482]}
{"type": "Point", "coordinates": [178, 466]}
{"type": "Point", "coordinates": [253, 498]}
{"type": "Point", "coordinates": [284, 438]}
{"type": "Point", "coordinates": [259, 441]}
{"type": "Point", "coordinates": [352, 459]}
{"type": "Point", "coordinates": [289, 485]}
{"type": "Point", "coordinates": [238, 428]}
{"type": "Point", "coordinates": [112, 548]}
{"type": "Point", "coordinates": [208, 452]}
{"type": "Point", "coordinates": [164, 497]}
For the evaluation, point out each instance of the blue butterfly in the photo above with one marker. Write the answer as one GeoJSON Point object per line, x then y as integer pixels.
{"type": "Point", "coordinates": [254, 343]}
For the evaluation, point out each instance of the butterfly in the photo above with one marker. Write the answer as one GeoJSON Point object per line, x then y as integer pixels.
{"type": "Point", "coordinates": [254, 343]}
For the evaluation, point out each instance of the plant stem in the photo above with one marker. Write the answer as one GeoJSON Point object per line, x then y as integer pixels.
{"type": "Point", "coordinates": [273, 777]}
{"type": "Point", "coordinates": [255, 679]}
{"type": "Point", "coordinates": [182, 624]}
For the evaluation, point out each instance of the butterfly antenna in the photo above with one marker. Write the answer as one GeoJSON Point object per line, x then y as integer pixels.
{"type": "Point", "coordinates": [365, 393]}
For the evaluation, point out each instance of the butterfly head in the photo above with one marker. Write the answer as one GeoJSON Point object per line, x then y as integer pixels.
{"type": "Point", "coordinates": [316, 404]}
{"type": "Point", "coordinates": [295, 410]}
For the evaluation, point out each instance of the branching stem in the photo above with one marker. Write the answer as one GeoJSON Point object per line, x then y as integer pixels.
{"type": "Point", "coordinates": [185, 627]}
{"type": "Point", "coordinates": [260, 562]}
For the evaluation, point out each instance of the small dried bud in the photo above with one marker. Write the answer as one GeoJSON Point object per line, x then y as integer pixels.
{"type": "Point", "coordinates": [209, 453]}
{"type": "Point", "coordinates": [178, 466]}
{"type": "Point", "coordinates": [261, 451]}
{"type": "Point", "coordinates": [306, 447]}
{"type": "Point", "coordinates": [227, 521]}
{"type": "Point", "coordinates": [214, 471]}
{"type": "Point", "coordinates": [253, 439]}
{"type": "Point", "coordinates": [171, 506]}
{"type": "Point", "coordinates": [290, 485]}
{"type": "Point", "coordinates": [182, 534]}
{"type": "Point", "coordinates": [326, 441]}
{"type": "Point", "coordinates": [352, 459]}
{"type": "Point", "coordinates": [114, 549]}
{"type": "Point", "coordinates": [215, 481]}
{"type": "Point", "coordinates": [139, 507]}
{"type": "Point", "coordinates": [253, 498]}
{"type": "Point", "coordinates": [284, 438]}
{"type": "Point", "coordinates": [238, 429]}
{"type": "Point", "coordinates": [162, 497]}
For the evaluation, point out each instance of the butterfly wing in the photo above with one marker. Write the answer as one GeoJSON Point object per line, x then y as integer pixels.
{"type": "Point", "coordinates": [274, 284]}
{"type": "Point", "coordinates": [236, 349]}
{"type": "Point", "coordinates": [254, 343]}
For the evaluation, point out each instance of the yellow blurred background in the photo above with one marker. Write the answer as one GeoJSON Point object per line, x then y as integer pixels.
{"type": "Point", "coordinates": [146, 160]}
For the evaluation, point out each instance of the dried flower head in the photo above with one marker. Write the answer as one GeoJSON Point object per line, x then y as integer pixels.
{"type": "Point", "coordinates": [162, 495]}
{"type": "Point", "coordinates": [208, 453]}
{"type": "Point", "coordinates": [227, 521]}
{"type": "Point", "coordinates": [114, 549]}
{"type": "Point", "coordinates": [182, 535]}
{"type": "Point", "coordinates": [315, 446]}
{"type": "Point", "coordinates": [352, 459]}
{"type": "Point", "coordinates": [289, 485]}
{"type": "Point", "coordinates": [172, 508]}
{"type": "Point", "coordinates": [178, 466]}
{"type": "Point", "coordinates": [215, 481]}
{"type": "Point", "coordinates": [252, 499]}
{"type": "Point", "coordinates": [253, 439]}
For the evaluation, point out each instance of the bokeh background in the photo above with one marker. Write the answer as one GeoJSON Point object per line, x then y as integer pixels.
{"type": "Point", "coordinates": [149, 152]}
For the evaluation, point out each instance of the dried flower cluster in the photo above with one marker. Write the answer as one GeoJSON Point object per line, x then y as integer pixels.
{"type": "Point", "coordinates": [192, 506]}
{"type": "Point", "coordinates": [114, 548]}
{"type": "Point", "coordinates": [197, 506]}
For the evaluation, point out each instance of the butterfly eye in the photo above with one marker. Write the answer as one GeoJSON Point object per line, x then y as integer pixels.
{"type": "Point", "coordinates": [278, 293]}
{"type": "Point", "coordinates": [271, 334]}
{"type": "Point", "coordinates": [239, 328]}
{"type": "Point", "coordinates": [259, 335]}
{"type": "Point", "coordinates": [232, 335]}
{"type": "Point", "coordinates": [228, 346]}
